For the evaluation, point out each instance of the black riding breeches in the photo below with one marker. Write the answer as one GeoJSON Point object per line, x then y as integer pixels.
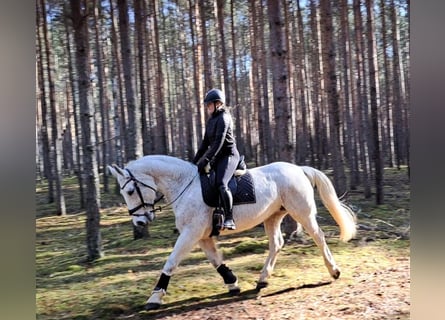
{"type": "Point", "coordinates": [225, 168]}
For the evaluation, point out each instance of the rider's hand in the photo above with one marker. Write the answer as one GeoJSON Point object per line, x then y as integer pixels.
{"type": "Point", "coordinates": [202, 164]}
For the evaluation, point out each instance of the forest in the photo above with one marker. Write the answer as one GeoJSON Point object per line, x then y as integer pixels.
{"type": "Point", "coordinates": [314, 82]}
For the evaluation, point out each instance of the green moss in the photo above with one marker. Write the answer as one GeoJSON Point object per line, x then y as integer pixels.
{"type": "Point", "coordinates": [250, 246]}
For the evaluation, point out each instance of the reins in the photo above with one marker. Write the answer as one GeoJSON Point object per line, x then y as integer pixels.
{"type": "Point", "coordinates": [146, 204]}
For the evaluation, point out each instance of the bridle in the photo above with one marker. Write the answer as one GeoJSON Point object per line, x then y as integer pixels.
{"type": "Point", "coordinates": [144, 204]}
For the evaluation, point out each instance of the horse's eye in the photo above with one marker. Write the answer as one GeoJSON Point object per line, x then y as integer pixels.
{"type": "Point", "coordinates": [130, 192]}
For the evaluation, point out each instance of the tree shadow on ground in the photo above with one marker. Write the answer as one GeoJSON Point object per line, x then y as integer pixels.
{"type": "Point", "coordinates": [196, 303]}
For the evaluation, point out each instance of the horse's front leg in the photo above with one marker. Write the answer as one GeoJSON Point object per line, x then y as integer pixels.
{"type": "Point", "coordinates": [215, 257]}
{"type": "Point", "coordinates": [184, 244]}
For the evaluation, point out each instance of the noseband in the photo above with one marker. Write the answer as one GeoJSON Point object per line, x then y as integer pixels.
{"type": "Point", "coordinates": [143, 203]}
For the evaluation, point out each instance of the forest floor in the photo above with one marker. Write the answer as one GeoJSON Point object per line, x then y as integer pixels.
{"type": "Point", "coordinates": [374, 284]}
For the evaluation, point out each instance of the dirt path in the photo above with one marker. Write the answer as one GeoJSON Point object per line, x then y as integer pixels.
{"type": "Point", "coordinates": [373, 294]}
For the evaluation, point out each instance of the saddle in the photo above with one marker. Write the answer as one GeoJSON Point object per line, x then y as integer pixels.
{"type": "Point", "coordinates": [241, 185]}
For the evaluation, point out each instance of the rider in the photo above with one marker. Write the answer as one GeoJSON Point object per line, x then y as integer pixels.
{"type": "Point", "coordinates": [218, 148]}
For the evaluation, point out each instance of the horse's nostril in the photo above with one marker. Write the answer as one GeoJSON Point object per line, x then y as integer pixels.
{"type": "Point", "coordinates": [140, 223]}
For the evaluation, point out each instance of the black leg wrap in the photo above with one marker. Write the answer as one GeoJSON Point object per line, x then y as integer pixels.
{"type": "Point", "coordinates": [227, 274]}
{"type": "Point", "coordinates": [163, 282]}
{"type": "Point", "coordinates": [261, 285]}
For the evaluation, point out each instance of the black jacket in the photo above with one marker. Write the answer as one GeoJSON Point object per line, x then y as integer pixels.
{"type": "Point", "coordinates": [218, 138]}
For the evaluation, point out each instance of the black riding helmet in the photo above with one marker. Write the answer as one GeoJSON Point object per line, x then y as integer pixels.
{"type": "Point", "coordinates": [214, 95]}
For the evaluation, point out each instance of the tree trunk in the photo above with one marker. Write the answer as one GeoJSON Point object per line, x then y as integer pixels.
{"type": "Point", "coordinates": [280, 89]}
{"type": "Point", "coordinates": [374, 93]}
{"type": "Point", "coordinates": [208, 80]}
{"type": "Point", "coordinates": [161, 123]}
{"type": "Point", "coordinates": [44, 128]}
{"type": "Point", "coordinates": [126, 56]}
{"type": "Point", "coordinates": [119, 122]}
{"type": "Point", "coordinates": [223, 48]}
{"type": "Point", "coordinates": [259, 113]}
{"type": "Point", "coordinates": [94, 242]}
{"type": "Point", "coordinates": [387, 123]}
{"type": "Point", "coordinates": [140, 26]}
{"type": "Point", "coordinates": [235, 80]}
{"type": "Point", "coordinates": [329, 68]}
{"type": "Point", "coordinates": [349, 128]}
{"type": "Point", "coordinates": [197, 108]}
{"type": "Point", "coordinates": [361, 108]}
{"type": "Point", "coordinates": [132, 127]}
{"type": "Point", "coordinates": [304, 138]}
{"type": "Point", "coordinates": [263, 61]}
{"type": "Point", "coordinates": [315, 106]}
{"type": "Point", "coordinates": [397, 89]}
{"type": "Point", "coordinates": [279, 80]}
{"type": "Point", "coordinates": [103, 97]}
{"type": "Point", "coordinates": [78, 163]}
{"type": "Point", "coordinates": [56, 137]}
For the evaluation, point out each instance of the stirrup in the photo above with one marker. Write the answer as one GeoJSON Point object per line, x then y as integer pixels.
{"type": "Point", "coordinates": [229, 224]}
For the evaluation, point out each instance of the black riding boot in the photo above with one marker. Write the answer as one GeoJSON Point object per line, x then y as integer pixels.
{"type": "Point", "coordinates": [227, 202]}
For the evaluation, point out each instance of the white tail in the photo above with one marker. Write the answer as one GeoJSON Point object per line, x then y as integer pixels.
{"type": "Point", "coordinates": [342, 214]}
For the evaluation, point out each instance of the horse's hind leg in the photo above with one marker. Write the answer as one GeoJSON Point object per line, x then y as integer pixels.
{"type": "Point", "coordinates": [311, 226]}
{"type": "Point", "coordinates": [276, 242]}
{"type": "Point", "coordinates": [215, 257]}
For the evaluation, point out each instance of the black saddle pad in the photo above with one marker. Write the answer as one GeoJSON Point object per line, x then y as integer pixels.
{"type": "Point", "coordinates": [242, 187]}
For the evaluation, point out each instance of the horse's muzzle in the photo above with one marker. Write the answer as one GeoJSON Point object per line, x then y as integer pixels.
{"type": "Point", "coordinates": [143, 220]}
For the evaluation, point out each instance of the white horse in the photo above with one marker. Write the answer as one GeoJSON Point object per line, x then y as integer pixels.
{"type": "Point", "coordinates": [281, 188]}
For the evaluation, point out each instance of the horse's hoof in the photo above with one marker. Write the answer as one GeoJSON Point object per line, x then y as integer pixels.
{"type": "Point", "coordinates": [235, 292]}
{"type": "Point", "coordinates": [261, 285]}
{"type": "Point", "coordinates": [152, 306]}
{"type": "Point", "coordinates": [336, 274]}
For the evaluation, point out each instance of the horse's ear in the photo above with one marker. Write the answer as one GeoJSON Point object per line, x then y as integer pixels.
{"type": "Point", "coordinates": [115, 170]}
